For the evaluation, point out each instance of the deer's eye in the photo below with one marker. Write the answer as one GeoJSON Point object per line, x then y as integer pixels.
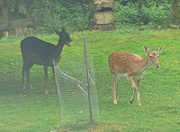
{"type": "Point", "coordinates": [150, 56]}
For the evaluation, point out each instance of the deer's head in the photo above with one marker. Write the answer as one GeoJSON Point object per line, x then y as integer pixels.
{"type": "Point", "coordinates": [64, 37]}
{"type": "Point", "coordinates": [153, 56]}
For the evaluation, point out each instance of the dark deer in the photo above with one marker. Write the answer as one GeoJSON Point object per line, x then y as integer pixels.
{"type": "Point", "coordinates": [131, 66]}
{"type": "Point", "coordinates": [37, 51]}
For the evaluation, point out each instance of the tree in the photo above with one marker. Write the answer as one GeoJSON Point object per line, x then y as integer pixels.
{"type": "Point", "coordinates": [140, 10]}
{"type": "Point", "coordinates": [176, 10]}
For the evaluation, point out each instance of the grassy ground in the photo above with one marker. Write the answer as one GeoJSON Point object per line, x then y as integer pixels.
{"type": "Point", "coordinates": [33, 111]}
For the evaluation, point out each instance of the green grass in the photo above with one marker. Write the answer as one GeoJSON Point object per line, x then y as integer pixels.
{"type": "Point", "coordinates": [33, 111]}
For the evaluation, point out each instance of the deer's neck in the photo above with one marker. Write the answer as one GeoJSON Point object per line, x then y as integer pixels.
{"type": "Point", "coordinates": [58, 50]}
{"type": "Point", "coordinates": [142, 66]}
{"type": "Point", "coordinates": [59, 47]}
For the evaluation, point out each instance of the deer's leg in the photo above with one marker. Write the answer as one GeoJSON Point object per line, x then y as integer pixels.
{"type": "Point", "coordinates": [114, 88]}
{"type": "Point", "coordinates": [28, 76]}
{"type": "Point", "coordinates": [46, 78]}
{"type": "Point", "coordinates": [130, 79]}
{"type": "Point", "coordinates": [23, 72]}
{"type": "Point", "coordinates": [138, 91]}
{"type": "Point", "coordinates": [25, 69]}
{"type": "Point", "coordinates": [53, 73]}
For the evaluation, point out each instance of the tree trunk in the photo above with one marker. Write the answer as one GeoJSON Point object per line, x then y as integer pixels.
{"type": "Point", "coordinates": [5, 9]}
{"type": "Point", "coordinates": [176, 10]}
{"type": "Point", "coordinates": [140, 11]}
{"type": "Point", "coordinates": [16, 8]}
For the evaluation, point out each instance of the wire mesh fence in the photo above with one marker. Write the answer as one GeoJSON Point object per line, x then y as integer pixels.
{"type": "Point", "coordinates": [77, 93]}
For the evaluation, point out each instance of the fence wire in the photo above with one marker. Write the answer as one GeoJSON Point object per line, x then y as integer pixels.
{"type": "Point", "coordinates": [77, 93]}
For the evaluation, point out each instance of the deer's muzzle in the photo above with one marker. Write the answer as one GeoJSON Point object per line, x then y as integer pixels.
{"type": "Point", "coordinates": [157, 65]}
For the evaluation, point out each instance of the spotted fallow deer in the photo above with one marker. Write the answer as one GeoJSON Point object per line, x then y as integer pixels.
{"type": "Point", "coordinates": [131, 66]}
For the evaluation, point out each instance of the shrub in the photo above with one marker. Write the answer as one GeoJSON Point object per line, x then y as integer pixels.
{"type": "Point", "coordinates": [126, 14]}
{"type": "Point", "coordinates": [52, 14]}
{"type": "Point", "coordinates": [49, 16]}
{"type": "Point", "coordinates": [153, 13]}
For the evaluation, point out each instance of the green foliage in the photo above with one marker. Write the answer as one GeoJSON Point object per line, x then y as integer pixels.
{"type": "Point", "coordinates": [154, 13]}
{"type": "Point", "coordinates": [126, 14]}
{"type": "Point", "coordinates": [50, 15]}
{"type": "Point", "coordinates": [157, 16]}
{"type": "Point", "coordinates": [157, 13]}
{"type": "Point", "coordinates": [74, 14]}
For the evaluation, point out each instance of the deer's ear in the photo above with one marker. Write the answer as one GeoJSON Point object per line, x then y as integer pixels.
{"type": "Point", "coordinates": [146, 49]}
{"type": "Point", "coordinates": [160, 49]}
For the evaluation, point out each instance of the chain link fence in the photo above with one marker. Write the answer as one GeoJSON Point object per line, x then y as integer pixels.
{"type": "Point", "coordinates": [77, 92]}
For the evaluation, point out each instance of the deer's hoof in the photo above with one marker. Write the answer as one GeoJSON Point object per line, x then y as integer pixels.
{"type": "Point", "coordinates": [115, 102]}
{"type": "Point", "coordinates": [46, 92]}
{"type": "Point", "coordinates": [24, 88]}
{"type": "Point", "coordinates": [131, 101]}
{"type": "Point", "coordinates": [30, 87]}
